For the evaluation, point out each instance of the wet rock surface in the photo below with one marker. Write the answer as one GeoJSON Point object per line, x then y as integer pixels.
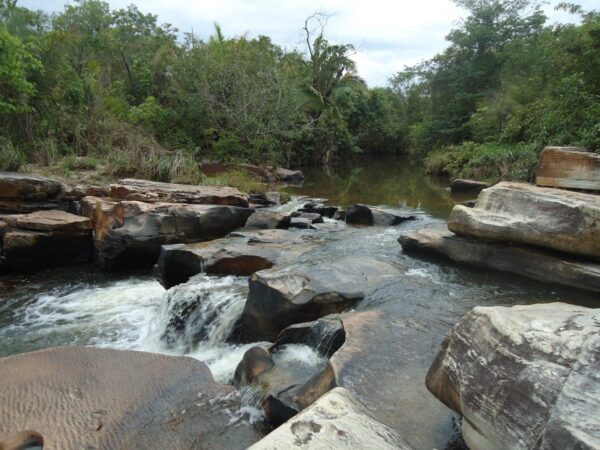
{"type": "Point", "coordinates": [336, 420]}
{"type": "Point", "coordinates": [154, 191]}
{"type": "Point", "coordinates": [268, 220]}
{"type": "Point", "coordinates": [239, 254]}
{"type": "Point", "coordinates": [571, 168]}
{"type": "Point", "coordinates": [281, 297]}
{"type": "Point", "coordinates": [536, 263]}
{"type": "Point", "coordinates": [368, 215]}
{"type": "Point", "coordinates": [467, 186]}
{"type": "Point", "coordinates": [131, 233]}
{"type": "Point", "coordinates": [531, 215]}
{"type": "Point", "coordinates": [100, 398]}
{"type": "Point", "coordinates": [523, 377]}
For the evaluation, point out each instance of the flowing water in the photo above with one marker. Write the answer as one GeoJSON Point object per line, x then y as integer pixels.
{"type": "Point", "coordinates": [82, 306]}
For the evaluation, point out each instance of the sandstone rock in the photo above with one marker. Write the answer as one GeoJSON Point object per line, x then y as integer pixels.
{"type": "Point", "coordinates": [97, 191]}
{"type": "Point", "coordinates": [281, 297]}
{"type": "Point", "coordinates": [154, 191]}
{"type": "Point", "coordinates": [268, 220]}
{"type": "Point", "coordinates": [289, 176]}
{"type": "Point", "coordinates": [21, 193]}
{"type": "Point", "coordinates": [236, 255]}
{"type": "Point", "coordinates": [49, 221]}
{"type": "Point", "coordinates": [336, 420]}
{"type": "Point", "coordinates": [523, 377]}
{"type": "Point", "coordinates": [518, 212]}
{"type": "Point", "coordinates": [129, 234]}
{"type": "Point", "coordinates": [368, 215]}
{"type": "Point", "coordinates": [568, 168]}
{"type": "Point", "coordinates": [462, 186]}
{"type": "Point", "coordinates": [325, 335]}
{"type": "Point", "coordinates": [536, 263]}
{"type": "Point", "coordinates": [105, 399]}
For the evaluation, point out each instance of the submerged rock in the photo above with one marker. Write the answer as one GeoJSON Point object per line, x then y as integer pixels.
{"type": "Point", "coordinates": [567, 167]}
{"type": "Point", "coordinates": [367, 215]}
{"type": "Point", "coordinates": [536, 263]}
{"type": "Point", "coordinates": [239, 254]}
{"type": "Point", "coordinates": [336, 420]}
{"type": "Point", "coordinates": [281, 297]}
{"type": "Point", "coordinates": [544, 217]}
{"type": "Point", "coordinates": [44, 239]}
{"type": "Point", "coordinates": [129, 234]}
{"type": "Point", "coordinates": [523, 377]}
{"type": "Point", "coordinates": [154, 191]}
{"type": "Point", "coordinates": [467, 186]}
{"type": "Point", "coordinates": [100, 398]}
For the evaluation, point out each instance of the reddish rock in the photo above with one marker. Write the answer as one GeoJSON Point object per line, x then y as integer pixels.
{"type": "Point", "coordinates": [569, 168]}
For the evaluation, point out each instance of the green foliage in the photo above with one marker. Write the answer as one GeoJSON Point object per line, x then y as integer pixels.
{"type": "Point", "coordinates": [11, 158]}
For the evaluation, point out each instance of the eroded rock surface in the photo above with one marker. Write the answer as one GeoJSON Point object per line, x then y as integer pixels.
{"type": "Point", "coordinates": [568, 168]}
{"type": "Point", "coordinates": [129, 234]}
{"type": "Point", "coordinates": [527, 214]}
{"type": "Point", "coordinates": [239, 254]}
{"type": "Point", "coordinates": [154, 191]}
{"type": "Point", "coordinates": [281, 297]}
{"type": "Point", "coordinates": [99, 398]}
{"type": "Point", "coordinates": [22, 193]}
{"type": "Point", "coordinates": [532, 262]}
{"type": "Point", "coordinates": [336, 420]}
{"type": "Point", "coordinates": [523, 377]}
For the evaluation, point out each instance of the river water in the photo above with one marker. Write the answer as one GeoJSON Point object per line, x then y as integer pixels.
{"type": "Point", "coordinates": [81, 306]}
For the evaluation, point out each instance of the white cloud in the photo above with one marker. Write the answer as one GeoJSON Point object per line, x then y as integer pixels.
{"type": "Point", "coordinates": [388, 34]}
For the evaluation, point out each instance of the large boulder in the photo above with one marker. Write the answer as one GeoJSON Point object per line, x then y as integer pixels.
{"type": "Point", "coordinates": [154, 191]}
{"type": "Point", "coordinates": [368, 215]}
{"type": "Point", "coordinates": [527, 214]}
{"type": "Point", "coordinates": [129, 234]}
{"type": "Point", "coordinates": [240, 254]}
{"type": "Point", "coordinates": [22, 193]}
{"type": "Point", "coordinates": [569, 168]}
{"type": "Point", "coordinates": [281, 297]}
{"type": "Point", "coordinates": [539, 264]}
{"type": "Point", "coordinates": [523, 377]}
{"type": "Point", "coordinates": [269, 220]}
{"type": "Point", "coordinates": [43, 239]}
{"type": "Point", "coordinates": [336, 420]}
{"type": "Point", "coordinates": [101, 398]}
{"type": "Point", "coordinates": [289, 176]}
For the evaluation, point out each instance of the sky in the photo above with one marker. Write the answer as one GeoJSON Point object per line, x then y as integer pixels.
{"type": "Point", "coordinates": [387, 34]}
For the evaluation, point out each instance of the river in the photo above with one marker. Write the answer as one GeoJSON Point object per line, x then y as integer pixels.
{"type": "Point", "coordinates": [81, 306]}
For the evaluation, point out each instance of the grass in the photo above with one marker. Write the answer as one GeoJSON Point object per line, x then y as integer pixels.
{"type": "Point", "coordinates": [239, 179]}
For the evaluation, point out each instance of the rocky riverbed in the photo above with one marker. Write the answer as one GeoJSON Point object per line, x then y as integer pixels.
{"type": "Point", "coordinates": [305, 315]}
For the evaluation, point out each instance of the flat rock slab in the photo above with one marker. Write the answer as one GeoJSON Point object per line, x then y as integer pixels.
{"type": "Point", "coordinates": [532, 215]}
{"type": "Point", "coordinates": [129, 234]}
{"type": "Point", "coordinates": [21, 186]}
{"type": "Point", "coordinates": [539, 264]}
{"type": "Point", "coordinates": [235, 255]}
{"type": "Point", "coordinates": [106, 399]}
{"type": "Point", "coordinates": [154, 191]}
{"type": "Point", "coordinates": [281, 297]}
{"type": "Point", "coordinates": [53, 220]}
{"type": "Point", "coordinates": [523, 377]}
{"type": "Point", "coordinates": [567, 168]}
{"type": "Point", "coordinates": [337, 420]}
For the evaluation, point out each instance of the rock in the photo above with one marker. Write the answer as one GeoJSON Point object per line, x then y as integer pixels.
{"type": "Point", "coordinates": [276, 198]}
{"type": "Point", "coordinates": [568, 168]}
{"type": "Point", "coordinates": [281, 297]}
{"type": "Point", "coordinates": [129, 234]}
{"type": "Point", "coordinates": [325, 335]}
{"type": "Point", "coordinates": [77, 192]}
{"type": "Point", "coordinates": [49, 221]}
{"type": "Point", "coordinates": [101, 398]}
{"type": "Point", "coordinates": [96, 191]}
{"type": "Point", "coordinates": [467, 186]}
{"type": "Point", "coordinates": [526, 214]}
{"type": "Point", "coordinates": [21, 193]}
{"type": "Point", "coordinates": [340, 215]}
{"type": "Point", "coordinates": [535, 263]}
{"type": "Point", "coordinates": [43, 239]}
{"type": "Point", "coordinates": [366, 216]}
{"type": "Point", "coordinates": [264, 173]}
{"type": "Point", "coordinates": [305, 220]}
{"type": "Point", "coordinates": [325, 211]}
{"type": "Point", "coordinates": [523, 377]}
{"type": "Point", "coordinates": [289, 176]}
{"type": "Point", "coordinates": [259, 199]}
{"type": "Point", "coordinates": [268, 220]}
{"type": "Point", "coordinates": [23, 440]}
{"type": "Point", "coordinates": [255, 361]}
{"type": "Point", "coordinates": [154, 191]}
{"type": "Point", "coordinates": [336, 420]}
{"type": "Point", "coordinates": [212, 168]}
{"type": "Point", "coordinates": [236, 255]}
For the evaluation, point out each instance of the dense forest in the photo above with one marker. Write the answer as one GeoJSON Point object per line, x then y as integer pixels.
{"type": "Point", "coordinates": [90, 86]}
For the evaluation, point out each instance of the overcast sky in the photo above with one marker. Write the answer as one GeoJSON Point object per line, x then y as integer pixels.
{"type": "Point", "coordinates": [388, 34]}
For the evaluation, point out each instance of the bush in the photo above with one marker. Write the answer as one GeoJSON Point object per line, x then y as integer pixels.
{"type": "Point", "coordinates": [11, 158]}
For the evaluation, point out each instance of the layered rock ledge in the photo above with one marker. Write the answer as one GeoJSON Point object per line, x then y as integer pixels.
{"type": "Point", "coordinates": [522, 213]}
{"type": "Point", "coordinates": [572, 168]}
{"type": "Point", "coordinates": [536, 263]}
{"type": "Point", "coordinates": [21, 193]}
{"type": "Point", "coordinates": [523, 377]}
{"type": "Point", "coordinates": [99, 398]}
